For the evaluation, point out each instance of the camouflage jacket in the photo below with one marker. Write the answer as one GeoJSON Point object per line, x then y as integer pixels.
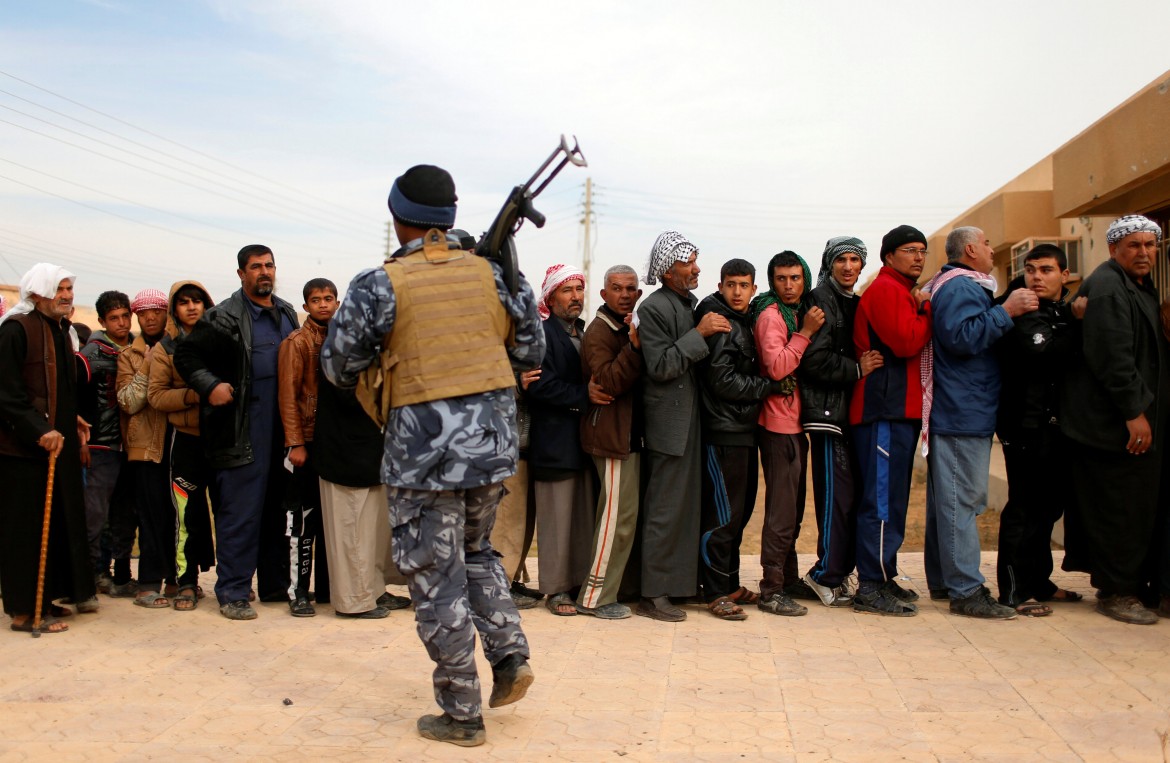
{"type": "Point", "coordinates": [451, 444]}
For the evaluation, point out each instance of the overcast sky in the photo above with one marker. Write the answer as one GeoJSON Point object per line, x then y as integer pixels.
{"type": "Point", "coordinates": [142, 142]}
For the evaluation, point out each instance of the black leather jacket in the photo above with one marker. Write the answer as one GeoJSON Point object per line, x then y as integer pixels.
{"type": "Point", "coordinates": [99, 396]}
{"type": "Point", "coordinates": [220, 350]}
{"type": "Point", "coordinates": [829, 368]}
{"type": "Point", "coordinates": [731, 388]}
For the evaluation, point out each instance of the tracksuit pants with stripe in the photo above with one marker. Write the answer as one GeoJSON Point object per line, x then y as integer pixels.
{"type": "Point", "coordinates": [833, 465]}
{"type": "Point", "coordinates": [885, 457]}
{"type": "Point", "coordinates": [303, 529]}
{"type": "Point", "coordinates": [190, 477]}
{"type": "Point", "coordinates": [730, 482]}
{"type": "Point", "coordinates": [615, 528]}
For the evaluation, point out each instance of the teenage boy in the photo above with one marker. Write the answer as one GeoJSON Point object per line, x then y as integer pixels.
{"type": "Point", "coordinates": [827, 374]}
{"type": "Point", "coordinates": [103, 456]}
{"type": "Point", "coordinates": [298, 363]}
{"type": "Point", "coordinates": [730, 392]}
{"type": "Point", "coordinates": [1034, 357]}
{"type": "Point", "coordinates": [194, 549]}
{"type": "Point", "coordinates": [148, 452]}
{"type": "Point", "coordinates": [781, 342]}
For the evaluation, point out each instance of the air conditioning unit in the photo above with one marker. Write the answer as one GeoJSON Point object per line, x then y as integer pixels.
{"type": "Point", "coordinates": [1071, 247]}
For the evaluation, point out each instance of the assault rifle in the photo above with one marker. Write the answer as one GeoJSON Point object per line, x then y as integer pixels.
{"type": "Point", "coordinates": [497, 243]}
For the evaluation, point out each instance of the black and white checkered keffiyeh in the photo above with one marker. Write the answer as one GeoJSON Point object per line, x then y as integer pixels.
{"type": "Point", "coordinates": [834, 248]}
{"type": "Point", "coordinates": [1129, 224]}
{"type": "Point", "coordinates": [670, 247]}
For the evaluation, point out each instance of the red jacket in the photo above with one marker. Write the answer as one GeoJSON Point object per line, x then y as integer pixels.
{"type": "Point", "coordinates": [890, 320]}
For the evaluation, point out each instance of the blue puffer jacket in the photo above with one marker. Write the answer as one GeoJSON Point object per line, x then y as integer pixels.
{"type": "Point", "coordinates": [966, 370]}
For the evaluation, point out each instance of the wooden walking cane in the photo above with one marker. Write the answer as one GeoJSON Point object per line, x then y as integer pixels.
{"type": "Point", "coordinates": [36, 630]}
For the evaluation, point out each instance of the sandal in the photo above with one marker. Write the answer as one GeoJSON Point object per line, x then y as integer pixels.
{"type": "Point", "coordinates": [1033, 609]}
{"type": "Point", "coordinates": [1063, 596]}
{"type": "Point", "coordinates": [48, 625]}
{"type": "Point", "coordinates": [186, 600]}
{"type": "Point", "coordinates": [561, 605]}
{"type": "Point", "coordinates": [152, 600]}
{"type": "Point", "coordinates": [725, 608]}
{"type": "Point", "coordinates": [744, 596]}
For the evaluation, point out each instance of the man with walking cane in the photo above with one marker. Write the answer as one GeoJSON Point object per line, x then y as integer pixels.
{"type": "Point", "coordinates": [39, 421]}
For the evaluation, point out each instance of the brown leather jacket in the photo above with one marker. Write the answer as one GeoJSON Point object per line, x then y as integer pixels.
{"type": "Point", "coordinates": [297, 376]}
{"type": "Point", "coordinates": [144, 429]}
{"type": "Point", "coordinates": [607, 356]}
{"type": "Point", "coordinates": [166, 390]}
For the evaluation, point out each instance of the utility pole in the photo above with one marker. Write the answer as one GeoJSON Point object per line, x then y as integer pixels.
{"type": "Point", "coordinates": [389, 237]}
{"type": "Point", "coordinates": [587, 258]}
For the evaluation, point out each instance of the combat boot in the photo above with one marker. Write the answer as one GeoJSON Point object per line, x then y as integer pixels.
{"type": "Point", "coordinates": [511, 678]}
{"type": "Point", "coordinates": [444, 728]}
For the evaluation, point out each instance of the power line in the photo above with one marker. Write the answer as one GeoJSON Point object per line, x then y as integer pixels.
{"type": "Point", "coordinates": [175, 143]}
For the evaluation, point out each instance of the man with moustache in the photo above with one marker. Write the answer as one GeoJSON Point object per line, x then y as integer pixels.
{"type": "Point", "coordinates": [672, 346]}
{"type": "Point", "coordinates": [230, 360]}
{"type": "Point", "coordinates": [38, 417]}
{"type": "Point", "coordinates": [1034, 358]}
{"type": "Point", "coordinates": [827, 374]}
{"type": "Point", "coordinates": [612, 434]}
{"type": "Point", "coordinates": [563, 483]}
{"type": "Point", "coordinates": [1115, 401]}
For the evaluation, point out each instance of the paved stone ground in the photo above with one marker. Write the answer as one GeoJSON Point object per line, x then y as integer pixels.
{"type": "Point", "coordinates": [135, 684]}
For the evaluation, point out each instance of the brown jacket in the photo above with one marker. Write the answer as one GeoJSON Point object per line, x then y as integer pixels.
{"type": "Point", "coordinates": [144, 429]}
{"type": "Point", "coordinates": [608, 357]}
{"type": "Point", "coordinates": [167, 392]}
{"type": "Point", "coordinates": [297, 379]}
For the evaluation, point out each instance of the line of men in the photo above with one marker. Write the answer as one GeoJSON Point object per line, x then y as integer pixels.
{"type": "Point", "coordinates": [207, 406]}
{"type": "Point", "coordinates": [678, 403]}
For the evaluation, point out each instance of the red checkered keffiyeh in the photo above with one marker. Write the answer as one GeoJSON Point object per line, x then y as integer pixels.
{"type": "Point", "coordinates": [553, 278]}
{"type": "Point", "coordinates": [926, 358]}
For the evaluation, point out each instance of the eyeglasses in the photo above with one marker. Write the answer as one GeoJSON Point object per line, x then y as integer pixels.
{"type": "Point", "coordinates": [912, 251]}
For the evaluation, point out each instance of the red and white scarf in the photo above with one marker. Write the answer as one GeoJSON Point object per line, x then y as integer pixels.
{"type": "Point", "coordinates": [926, 358]}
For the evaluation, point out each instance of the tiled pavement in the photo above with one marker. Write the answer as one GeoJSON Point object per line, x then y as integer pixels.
{"type": "Point", "coordinates": [134, 684]}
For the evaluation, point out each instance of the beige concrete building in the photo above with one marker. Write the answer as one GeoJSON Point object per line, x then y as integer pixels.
{"type": "Point", "coordinates": [1118, 165]}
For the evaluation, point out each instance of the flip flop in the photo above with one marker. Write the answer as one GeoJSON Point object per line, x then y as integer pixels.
{"type": "Point", "coordinates": [555, 603]}
{"type": "Point", "coordinates": [152, 600]}
{"type": "Point", "coordinates": [27, 626]}
{"type": "Point", "coordinates": [1033, 609]}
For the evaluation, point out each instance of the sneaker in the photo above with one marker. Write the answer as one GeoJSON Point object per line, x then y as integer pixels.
{"type": "Point", "coordinates": [300, 606]}
{"type": "Point", "coordinates": [782, 604]}
{"type": "Point", "coordinates": [882, 602]}
{"type": "Point", "coordinates": [612, 611]}
{"type": "Point", "coordinates": [103, 581]}
{"type": "Point", "coordinates": [830, 597]}
{"type": "Point", "coordinates": [391, 601]}
{"type": "Point", "coordinates": [523, 602]}
{"type": "Point", "coordinates": [127, 590]}
{"type": "Point", "coordinates": [1127, 609]}
{"type": "Point", "coordinates": [800, 590]}
{"type": "Point", "coordinates": [444, 728]}
{"type": "Point", "coordinates": [89, 606]}
{"type": "Point", "coordinates": [900, 593]}
{"type": "Point", "coordinates": [981, 605]}
{"type": "Point", "coordinates": [849, 585]}
{"type": "Point", "coordinates": [1164, 607]}
{"type": "Point", "coordinates": [238, 610]}
{"type": "Point", "coordinates": [511, 678]}
{"type": "Point", "coordinates": [520, 589]}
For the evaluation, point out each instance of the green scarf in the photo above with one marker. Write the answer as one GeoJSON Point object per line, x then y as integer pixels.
{"type": "Point", "coordinates": [769, 298]}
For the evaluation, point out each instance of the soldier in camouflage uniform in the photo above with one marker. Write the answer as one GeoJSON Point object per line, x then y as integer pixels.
{"type": "Point", "coordinates": [446, 457]}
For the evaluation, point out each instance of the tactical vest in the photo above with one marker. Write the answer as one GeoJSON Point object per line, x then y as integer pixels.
{"type": "Point", "coordinates": [450, 330]}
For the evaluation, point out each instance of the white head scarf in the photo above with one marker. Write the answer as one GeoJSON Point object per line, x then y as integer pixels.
{"type": "Point", "coordinates": [41, 280]}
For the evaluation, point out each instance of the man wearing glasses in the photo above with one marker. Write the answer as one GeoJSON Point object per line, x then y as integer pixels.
{"type": "Point", "coordinates": [893, 317]}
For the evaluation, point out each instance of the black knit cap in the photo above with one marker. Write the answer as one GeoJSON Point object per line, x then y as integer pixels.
{"type": "Point", "coordinates": [899, 237]}
{"type": "Point", "coordinates": [424, 196]}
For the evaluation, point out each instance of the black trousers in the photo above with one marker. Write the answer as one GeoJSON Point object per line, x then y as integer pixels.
{"type": "Point", "coordinates": [1117, 501]}
{"type": "Point", "coordinates": [156, 522]}
{"type": "Point", "coordinates": [730, 482]}
{"type": "Point", "coordinates": [304, 529]}
{"type": "Point", "coordinates": [834, 463]}
{"type": "Point", "coordinates": [1038, 492]}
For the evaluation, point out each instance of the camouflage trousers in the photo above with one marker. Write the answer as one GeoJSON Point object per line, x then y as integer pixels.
{"type": "Point", "coordinates": [441, 544]}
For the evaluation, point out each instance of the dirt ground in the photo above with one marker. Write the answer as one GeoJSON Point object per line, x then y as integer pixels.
{"type": "Point", "coordinates": [915, 523]}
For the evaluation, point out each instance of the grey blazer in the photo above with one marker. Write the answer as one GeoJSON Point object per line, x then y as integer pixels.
{"type": "Point", "coordinates": [670, 349]}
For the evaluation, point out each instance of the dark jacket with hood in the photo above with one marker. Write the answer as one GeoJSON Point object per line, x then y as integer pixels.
{"type": "Point", "coordinates": [220, 350]}
{"type": "Point", "coordinates": [730, 388]}
{"type": "Point", "coordinates": [829, 369]}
